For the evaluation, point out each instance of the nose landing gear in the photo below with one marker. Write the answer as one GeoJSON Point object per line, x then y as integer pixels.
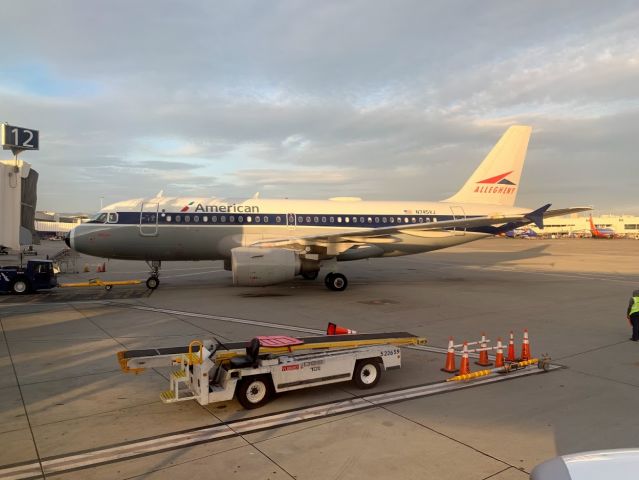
{"type": "Point", "coordinates": [153, 281]}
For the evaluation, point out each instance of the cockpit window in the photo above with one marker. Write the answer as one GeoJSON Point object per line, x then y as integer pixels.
{"type": "Point", "coordinates": [99, 218]}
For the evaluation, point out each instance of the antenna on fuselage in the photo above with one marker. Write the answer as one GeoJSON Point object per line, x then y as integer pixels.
{"type": "Point", "coordinates": [256, 196]}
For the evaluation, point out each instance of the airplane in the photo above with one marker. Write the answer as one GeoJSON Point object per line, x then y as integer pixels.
{"type": "Point", "coordinates": [522, 232]}
{"type": "Point", "coordinates": [600, 232]}
{"type": "Point", "coordinates": [265, 242]}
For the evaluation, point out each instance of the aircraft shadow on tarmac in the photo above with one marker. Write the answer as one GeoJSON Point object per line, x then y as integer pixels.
{"type": "Point", "coordinates": [504, 257]}
{"type": "Point", "coordinates": [76, 295]}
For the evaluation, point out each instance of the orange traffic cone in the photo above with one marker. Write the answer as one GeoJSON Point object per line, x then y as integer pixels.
{"type": "Point", "coordinates": [99, 269]}
{"type": "Point", "coordinates": [333, 329]}
{"type": "Point", "coordinates": [511, 348]}
{"type": "Point", "coordinates": [525, 347]}
{"type": "Point", "coordinates": [450, 358]}
{"type": "Point", "coordinates": [483, 354]}
{"type": "Point", "coordinates": [499, 357]}
{"type": "Point", "coordinates": [464, 368]}
{"type": "Point", "coordinates": [104, 266]}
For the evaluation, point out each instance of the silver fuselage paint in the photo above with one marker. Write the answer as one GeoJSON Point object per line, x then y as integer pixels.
{"type": "Point", "coordinates": [146, 237]}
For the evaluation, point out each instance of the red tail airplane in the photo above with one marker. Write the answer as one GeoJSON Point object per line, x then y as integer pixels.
{"type": "Point", "coordinates": [600, 232]}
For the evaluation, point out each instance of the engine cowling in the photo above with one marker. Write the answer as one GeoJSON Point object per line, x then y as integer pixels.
{"type": "Point", "coordinates": [254, 267]}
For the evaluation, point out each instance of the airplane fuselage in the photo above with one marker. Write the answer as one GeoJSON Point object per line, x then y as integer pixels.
{"type": "Point", "coordinates": [207, 229]}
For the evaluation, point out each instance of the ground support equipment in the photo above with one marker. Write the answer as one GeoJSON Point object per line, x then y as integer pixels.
{"type": "Point", "coordinates": [212, 372]}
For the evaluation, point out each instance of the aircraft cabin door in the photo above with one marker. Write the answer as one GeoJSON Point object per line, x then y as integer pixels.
{"type": "Point", "coordinates": [149, 219]}
{"type": "Point", "coordinates": [291, 221]}
{"type": "Point", "coordinates": [458, 214]}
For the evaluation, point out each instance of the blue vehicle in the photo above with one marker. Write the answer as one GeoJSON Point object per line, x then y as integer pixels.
{"type": "Point", "coordinates": [36, 275]}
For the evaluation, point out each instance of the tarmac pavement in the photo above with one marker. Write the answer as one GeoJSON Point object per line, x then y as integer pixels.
{"type": "Point", "coordinates": [64, 399]}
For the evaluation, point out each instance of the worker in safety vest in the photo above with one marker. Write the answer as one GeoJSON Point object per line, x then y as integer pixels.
{"type": "Point", "coordinates": [633, 315]}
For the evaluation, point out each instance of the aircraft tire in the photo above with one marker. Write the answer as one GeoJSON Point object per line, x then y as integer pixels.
{"type": "Point", "coordinates": [336, 282]}
{"type": "Point", "coordinates": [152, 283]}
{"type": "Point", "coordinates": [327, 280]}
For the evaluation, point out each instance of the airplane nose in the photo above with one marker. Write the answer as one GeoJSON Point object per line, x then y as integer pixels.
{"type": "Point", "coordinates": [67, 239]}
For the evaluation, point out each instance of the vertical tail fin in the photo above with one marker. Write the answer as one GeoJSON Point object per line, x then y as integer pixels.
{"type": "Point", "coordinates": [496, 180]}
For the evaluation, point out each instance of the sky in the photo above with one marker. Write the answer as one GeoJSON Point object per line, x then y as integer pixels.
{"type": "Point", "coordinates": [304, 99]}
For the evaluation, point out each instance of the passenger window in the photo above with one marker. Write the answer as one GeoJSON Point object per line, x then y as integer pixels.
{"type": "Point", "coordinates": [413, 220]}
{"type": "Point", "coordinates": [339, 219]}
{"type": "Point", "coordinates": [421, 220]}
{"type": "Point", "coordinates": [187, 218]}
{"type": "Point", "coordinates": [376, 219]}
{"type": "Point", "coordinates": [257, 219]}
{"type": "Point", "coordinates": [223, 219]}
{"type": "Point", "coordinates": [278, 219]}
{"type": "Point", "coordinates": [240, 218]}
{"type": "Point", "coordinates": [316, 219]}
{"type": "Point", "coordinates": [168, 218]}
{"type": "Point", "coordinates": [405, 219]}
{"type": "Point", "coordinates": [370, 220]}
{"type": "Point", "coordinates": [347, 219]}
{"type": "Point", "coordinates": [250, 219]}
{"type": "Point", "coordinates": [205, 218]}
{"type": "Point", "coordinates": [231, 218]}
{"type": "Point", "coordinates": [113, 218]}
{"type": "Point", "coordinates": [361, 219]}
{"type": "Point", "coordinates": [266, 219]}
{"type": "Point", "coordinates": [196, 219]}
{"type": "Point", "coordinates": [383, 219]}
{"type": "Point", "coordinates": [308, 219]}
{"type": "Point", "coordinates": [332, 219]}
{"type": "Point", "coordinates": [300, 219]}
{"type": "Point", "coordinates": [178, 219]}
{"type": "Point", "coordinates": [392, 219]}
{"type": "Point", "coordinates": [323, 219]}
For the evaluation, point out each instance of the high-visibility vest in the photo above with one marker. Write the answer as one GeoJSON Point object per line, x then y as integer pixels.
{"type": "Point", "coordinates": [635, 306]}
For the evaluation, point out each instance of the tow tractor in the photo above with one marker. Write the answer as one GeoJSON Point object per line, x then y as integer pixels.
{"type": "Point", "coordinates": [37, 275]}
{"type": "Point", "coordinates": [211, 371]}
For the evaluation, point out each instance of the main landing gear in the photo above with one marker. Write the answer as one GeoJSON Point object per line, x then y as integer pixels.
{"type": "Point", "coordinates": [153, 281]}
{"type": "Point", "coordinates": [335, 282]}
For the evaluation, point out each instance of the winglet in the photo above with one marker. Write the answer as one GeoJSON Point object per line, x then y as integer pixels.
{"type": "Point", "coordinates": [537, 216]}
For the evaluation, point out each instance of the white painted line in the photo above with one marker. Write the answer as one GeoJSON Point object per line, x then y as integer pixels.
{"type": "Point", "coordinates": [193, 274]}
{"type": "Point", "coordinates": [243, 321]}
{"type": "Point", "coordinates": [221, 431]}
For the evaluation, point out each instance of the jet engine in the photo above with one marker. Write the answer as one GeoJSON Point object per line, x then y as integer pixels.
{"type": "Point", "coordinates": [255, 267]}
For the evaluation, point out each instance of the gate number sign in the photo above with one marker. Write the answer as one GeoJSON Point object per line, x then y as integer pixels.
{"type": "Point", "coordinates": [18, 138]}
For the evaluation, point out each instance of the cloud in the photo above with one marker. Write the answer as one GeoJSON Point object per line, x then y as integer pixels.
{"type": "Point", "coordinates": [313, 99]}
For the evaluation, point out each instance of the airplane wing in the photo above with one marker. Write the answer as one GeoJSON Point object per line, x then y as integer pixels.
{"type": "Point", "coordinates": [384, 234]}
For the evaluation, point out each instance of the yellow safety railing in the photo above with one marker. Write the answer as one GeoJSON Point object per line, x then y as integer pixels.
{"type": "Point", "coordinates": [194, 359]}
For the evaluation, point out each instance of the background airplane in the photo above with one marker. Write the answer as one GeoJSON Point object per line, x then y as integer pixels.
{"type": "Point", "coordinates": [265, 242]}
{"type": "Point", "coordinates": [599, 232]}
{"type": "Point", "coordinates": [523, 232]}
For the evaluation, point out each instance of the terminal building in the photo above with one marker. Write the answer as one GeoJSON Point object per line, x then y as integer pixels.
{"type": "Point", "coordinates": [50, 225]}
{"type": "Point", "coordinates": [576, 225]}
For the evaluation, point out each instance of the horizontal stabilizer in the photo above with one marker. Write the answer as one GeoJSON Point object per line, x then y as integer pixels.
{"type": "Point", "coordinates": [537, 216]}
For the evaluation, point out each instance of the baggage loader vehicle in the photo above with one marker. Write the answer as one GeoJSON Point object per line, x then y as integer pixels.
{"type": "Point", "coordinates": [212, 372]}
